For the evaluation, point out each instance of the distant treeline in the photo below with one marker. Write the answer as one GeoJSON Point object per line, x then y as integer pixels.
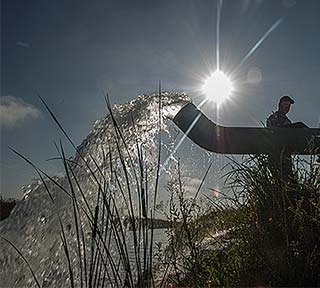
{"type": "Point", "coordinates": [157, 223]}
{"type": "Point", "coordinates": [6, 206]}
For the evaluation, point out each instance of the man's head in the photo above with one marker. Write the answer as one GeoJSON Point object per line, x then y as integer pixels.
{"type": "Point", "coordinates": [285, 104]}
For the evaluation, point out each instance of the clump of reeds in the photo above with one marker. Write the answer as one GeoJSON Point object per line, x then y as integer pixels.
{"type": "Point", "coordinates": [269, 229]}
{"type": "Point", "coordinates": [190, 235]}
{"type": "Point", "coordinates": [103, 259]}
{"type": "Point", "coordinates": [280, 222]}
{"type": "Point", "coordinates": [264, 232]}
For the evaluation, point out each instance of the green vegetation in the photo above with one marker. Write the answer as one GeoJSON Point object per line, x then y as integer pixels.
{"type": "Point", "coordinates": [265, 232]}
{"type": "Point", "coordinates": [118, 220]}
{"type": "Point", "coordinates": [270, 230]}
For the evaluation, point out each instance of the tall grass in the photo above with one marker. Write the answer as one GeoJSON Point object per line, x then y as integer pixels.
{"type": "Point", "coordinates": [108, 262]}
{"type": "Point", "coordinates": [104, 259]}
{"type": "Point", "coordinates": [268, 229]}
{"type": "Point", "coordinates": [265, 231]}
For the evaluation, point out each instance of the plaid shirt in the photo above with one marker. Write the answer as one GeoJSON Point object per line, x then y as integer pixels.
{"type": "Point", "coordinates": [278, 120]}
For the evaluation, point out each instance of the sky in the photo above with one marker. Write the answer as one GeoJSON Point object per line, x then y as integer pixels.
{"type": "Point", "coordinates": [72, 52]}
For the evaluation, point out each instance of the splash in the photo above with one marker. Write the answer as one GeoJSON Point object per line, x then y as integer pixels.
{"type": "Point", "coordinates": [33, 225]}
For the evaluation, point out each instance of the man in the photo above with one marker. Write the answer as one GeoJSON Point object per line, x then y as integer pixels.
{"type": "Point", "coordinates": [281, 160]}
{"type": "Point", "coordinates": [279, 118]}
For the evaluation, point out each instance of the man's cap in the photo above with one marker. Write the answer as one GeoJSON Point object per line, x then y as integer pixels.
{"type": "Point", "coordinates": [286, 98]}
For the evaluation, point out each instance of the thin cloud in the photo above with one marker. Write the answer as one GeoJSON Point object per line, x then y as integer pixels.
{"type": "Point", "coordinates": [23, 44]}
{"type": "Point", "coordinates": [14, 110]}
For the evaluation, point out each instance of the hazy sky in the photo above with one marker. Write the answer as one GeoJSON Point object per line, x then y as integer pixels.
{"type": "Point", "coordinates": [71, 52]}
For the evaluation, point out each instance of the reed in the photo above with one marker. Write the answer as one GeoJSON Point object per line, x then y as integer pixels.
{"type": "Point", "coordinates": [263, 231]}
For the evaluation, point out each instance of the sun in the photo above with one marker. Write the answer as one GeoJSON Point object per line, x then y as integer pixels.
{"type": "Point", "coordinates": [218, 87]}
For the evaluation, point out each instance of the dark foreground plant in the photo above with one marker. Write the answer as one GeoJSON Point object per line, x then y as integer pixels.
{"type": "Point", "coordinates": [266, 233]}
{"type": "Point", "coordinates": [115, 227]}
{"type": "Point", "coordinates": [269, 229]}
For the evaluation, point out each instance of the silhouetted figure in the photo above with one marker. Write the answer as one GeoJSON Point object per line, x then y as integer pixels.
{"type": "Point", "coordinates": [281, 160]}
{"type": "Point", "coordinates": [279, 118]}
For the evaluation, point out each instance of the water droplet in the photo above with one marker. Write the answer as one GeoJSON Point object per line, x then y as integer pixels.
{"type": "Point", "coordinates": [42, 219]}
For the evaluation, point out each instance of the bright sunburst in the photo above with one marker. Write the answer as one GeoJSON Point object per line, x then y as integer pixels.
{"type": "Point", "coordinates": [218, 87]}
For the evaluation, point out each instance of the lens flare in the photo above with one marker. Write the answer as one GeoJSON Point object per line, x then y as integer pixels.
{"type": "Point", "coordinates": [218, 87]}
